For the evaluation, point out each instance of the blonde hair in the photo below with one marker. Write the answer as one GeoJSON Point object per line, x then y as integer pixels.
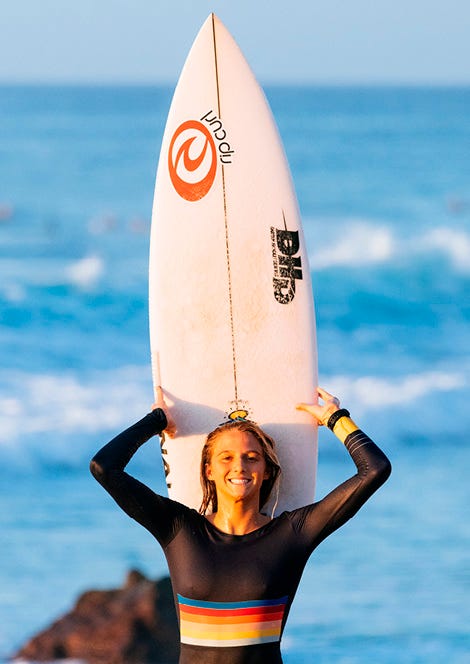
{"type": "Point", "coordinates": [209, 492]}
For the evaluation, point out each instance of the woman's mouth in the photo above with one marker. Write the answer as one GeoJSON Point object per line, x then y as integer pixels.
{"type": "Point", "coordinates": [239, 481]}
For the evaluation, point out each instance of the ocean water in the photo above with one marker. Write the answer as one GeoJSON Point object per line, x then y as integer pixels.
{"type": "Point", "coordinates": [383, 180]}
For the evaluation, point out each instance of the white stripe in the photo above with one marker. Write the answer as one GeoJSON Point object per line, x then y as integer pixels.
{"type": "Point", "coordinates": [226, 643]}
{"type": "Point", "coordinates": [359, 446]}
{"type": "Point", "coordinates": [354, 435]}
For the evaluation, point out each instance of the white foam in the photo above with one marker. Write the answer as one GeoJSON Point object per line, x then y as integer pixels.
{"type": "Point", "coordinates": [14, 292]}
{"type": "Point", "coordinates": [455, 244]}
{"type": "Point", "coordinates": [62, 403]}
{"type": "Point", "coordinates": [359, 244]}
{"type": "Point", "coordinates": [41, 404]}
{"type": "Point", "coordinates": [369, 392]}
{"type": "Point", "coordinates": [85, 272]}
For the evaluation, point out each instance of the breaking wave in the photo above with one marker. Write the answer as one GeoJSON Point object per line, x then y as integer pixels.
{"type": "Point", "coordinates": [363, 243]}
{"type": "Point", "coordinates": [44, 415]}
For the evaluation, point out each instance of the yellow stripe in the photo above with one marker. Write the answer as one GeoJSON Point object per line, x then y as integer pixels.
{"type": "Point", "coordinates": [343, 427]}
{"type": "Point", "coordinates": [246, 627]}
{"type": "Point", "coordinates": [230, 633]}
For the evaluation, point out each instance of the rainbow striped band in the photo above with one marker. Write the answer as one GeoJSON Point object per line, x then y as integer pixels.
{"type": "Point", "coordinates": [224, 624]}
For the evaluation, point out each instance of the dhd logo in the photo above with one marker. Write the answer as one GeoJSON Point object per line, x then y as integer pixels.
{"type": "Point", "coordinates": [287, 266]}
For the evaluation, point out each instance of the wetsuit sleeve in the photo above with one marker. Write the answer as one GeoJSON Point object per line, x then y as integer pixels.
{"type": "Point", "coordinates": [315, 522]}
{"type": "Point", "coordinates": [160, 515]}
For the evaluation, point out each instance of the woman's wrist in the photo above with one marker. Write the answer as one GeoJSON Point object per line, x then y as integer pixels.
{"type": "Point", "coordinates": [160, 418]}
{"type": "Point", "coordinates": [341, 424]}
{"type": "Point", "coordinates": [335, 416]}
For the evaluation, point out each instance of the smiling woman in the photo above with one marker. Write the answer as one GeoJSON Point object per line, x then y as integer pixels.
{"type": "Point", "coordinates": [244, 453]}
{"type": "Point", "coordinates": [235, 570]}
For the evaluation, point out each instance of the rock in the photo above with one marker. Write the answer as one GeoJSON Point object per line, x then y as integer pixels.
{"type": "Point", "coordinates": [135, 624]}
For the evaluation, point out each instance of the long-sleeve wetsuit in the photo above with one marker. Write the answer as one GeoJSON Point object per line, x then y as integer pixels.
{"type": "Point", "coordinates": [234, 592]}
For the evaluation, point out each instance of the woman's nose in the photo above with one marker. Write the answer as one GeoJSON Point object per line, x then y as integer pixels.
{"type": "Point", "coordinates": [239, 464]}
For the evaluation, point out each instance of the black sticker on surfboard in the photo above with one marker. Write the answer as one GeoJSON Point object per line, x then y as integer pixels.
{"type": "Point", "coordinates": [287, 266]}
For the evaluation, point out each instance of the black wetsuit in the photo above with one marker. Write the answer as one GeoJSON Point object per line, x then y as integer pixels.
{"type": "Point", "coordinates": [234, 592]}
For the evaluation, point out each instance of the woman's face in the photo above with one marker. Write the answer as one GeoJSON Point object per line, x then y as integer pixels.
{"type": "Point", "coordinates": [237, 466]}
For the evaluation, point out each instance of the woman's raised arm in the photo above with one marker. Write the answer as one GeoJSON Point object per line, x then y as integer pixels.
{"type": "Point", "coordinates": [158, 514]}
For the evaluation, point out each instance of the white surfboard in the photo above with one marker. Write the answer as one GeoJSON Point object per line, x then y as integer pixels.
{"type": "Point", "coordinates": [232, 325]}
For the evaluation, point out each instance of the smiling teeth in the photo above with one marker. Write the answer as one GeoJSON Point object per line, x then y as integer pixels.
{"type": "Point", "coordinates": [239, 481]}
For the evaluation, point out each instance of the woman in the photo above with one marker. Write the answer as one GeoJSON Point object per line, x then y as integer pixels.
{"type": "Point", "coordinates": [235, 571]}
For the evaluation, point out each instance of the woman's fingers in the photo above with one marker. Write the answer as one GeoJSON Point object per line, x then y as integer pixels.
{"type": "Point", "coordinates": [326, 396]}
{"type": "Point", "coordinates": [161, 403]}
{"type": "Point", "coordinates": [321, 412]}
{"type": "Point", "coordinates": [307, 407]}
{"type": "Point", "coordinates": [313, 409]}
{"type": "Point", "coordinates": [171, 428]}
{"type": "Point", "coordinates": [159, 396]}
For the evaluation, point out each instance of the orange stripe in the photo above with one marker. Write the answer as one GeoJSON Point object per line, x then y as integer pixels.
{"type": "Point", "coordinates": [229, 632]}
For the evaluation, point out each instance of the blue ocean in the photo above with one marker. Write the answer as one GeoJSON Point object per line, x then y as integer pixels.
{"type": "Point", "coordinates": [383, 181]}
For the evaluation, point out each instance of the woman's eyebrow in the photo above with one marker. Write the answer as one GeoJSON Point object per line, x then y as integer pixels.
{"type": "Point", "coordinates": [244, 452]}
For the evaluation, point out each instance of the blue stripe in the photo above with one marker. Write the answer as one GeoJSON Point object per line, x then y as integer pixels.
{"type": "Point", "coordinates": [231, 605]}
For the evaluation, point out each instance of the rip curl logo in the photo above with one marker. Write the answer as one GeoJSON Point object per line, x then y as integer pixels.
{"type": "Point", "coordinates": [287, 266]}
{"type": "Point", "coordinates": [192, 160]}
{"type": "Point", "coordinates": [220, 134]}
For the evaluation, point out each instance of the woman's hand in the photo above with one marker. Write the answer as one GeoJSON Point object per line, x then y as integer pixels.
{"type": "Point", "coordinates": [161, 403]}
{"type": "Point", "coordinates": [321, 412]}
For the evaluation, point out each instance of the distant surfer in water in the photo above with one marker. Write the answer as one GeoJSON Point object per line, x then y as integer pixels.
{"type": "Point", "coordinates": [235, 570]}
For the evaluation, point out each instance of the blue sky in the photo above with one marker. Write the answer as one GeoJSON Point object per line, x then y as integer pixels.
{"type": "Point", "coordinates": [316, 41]}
